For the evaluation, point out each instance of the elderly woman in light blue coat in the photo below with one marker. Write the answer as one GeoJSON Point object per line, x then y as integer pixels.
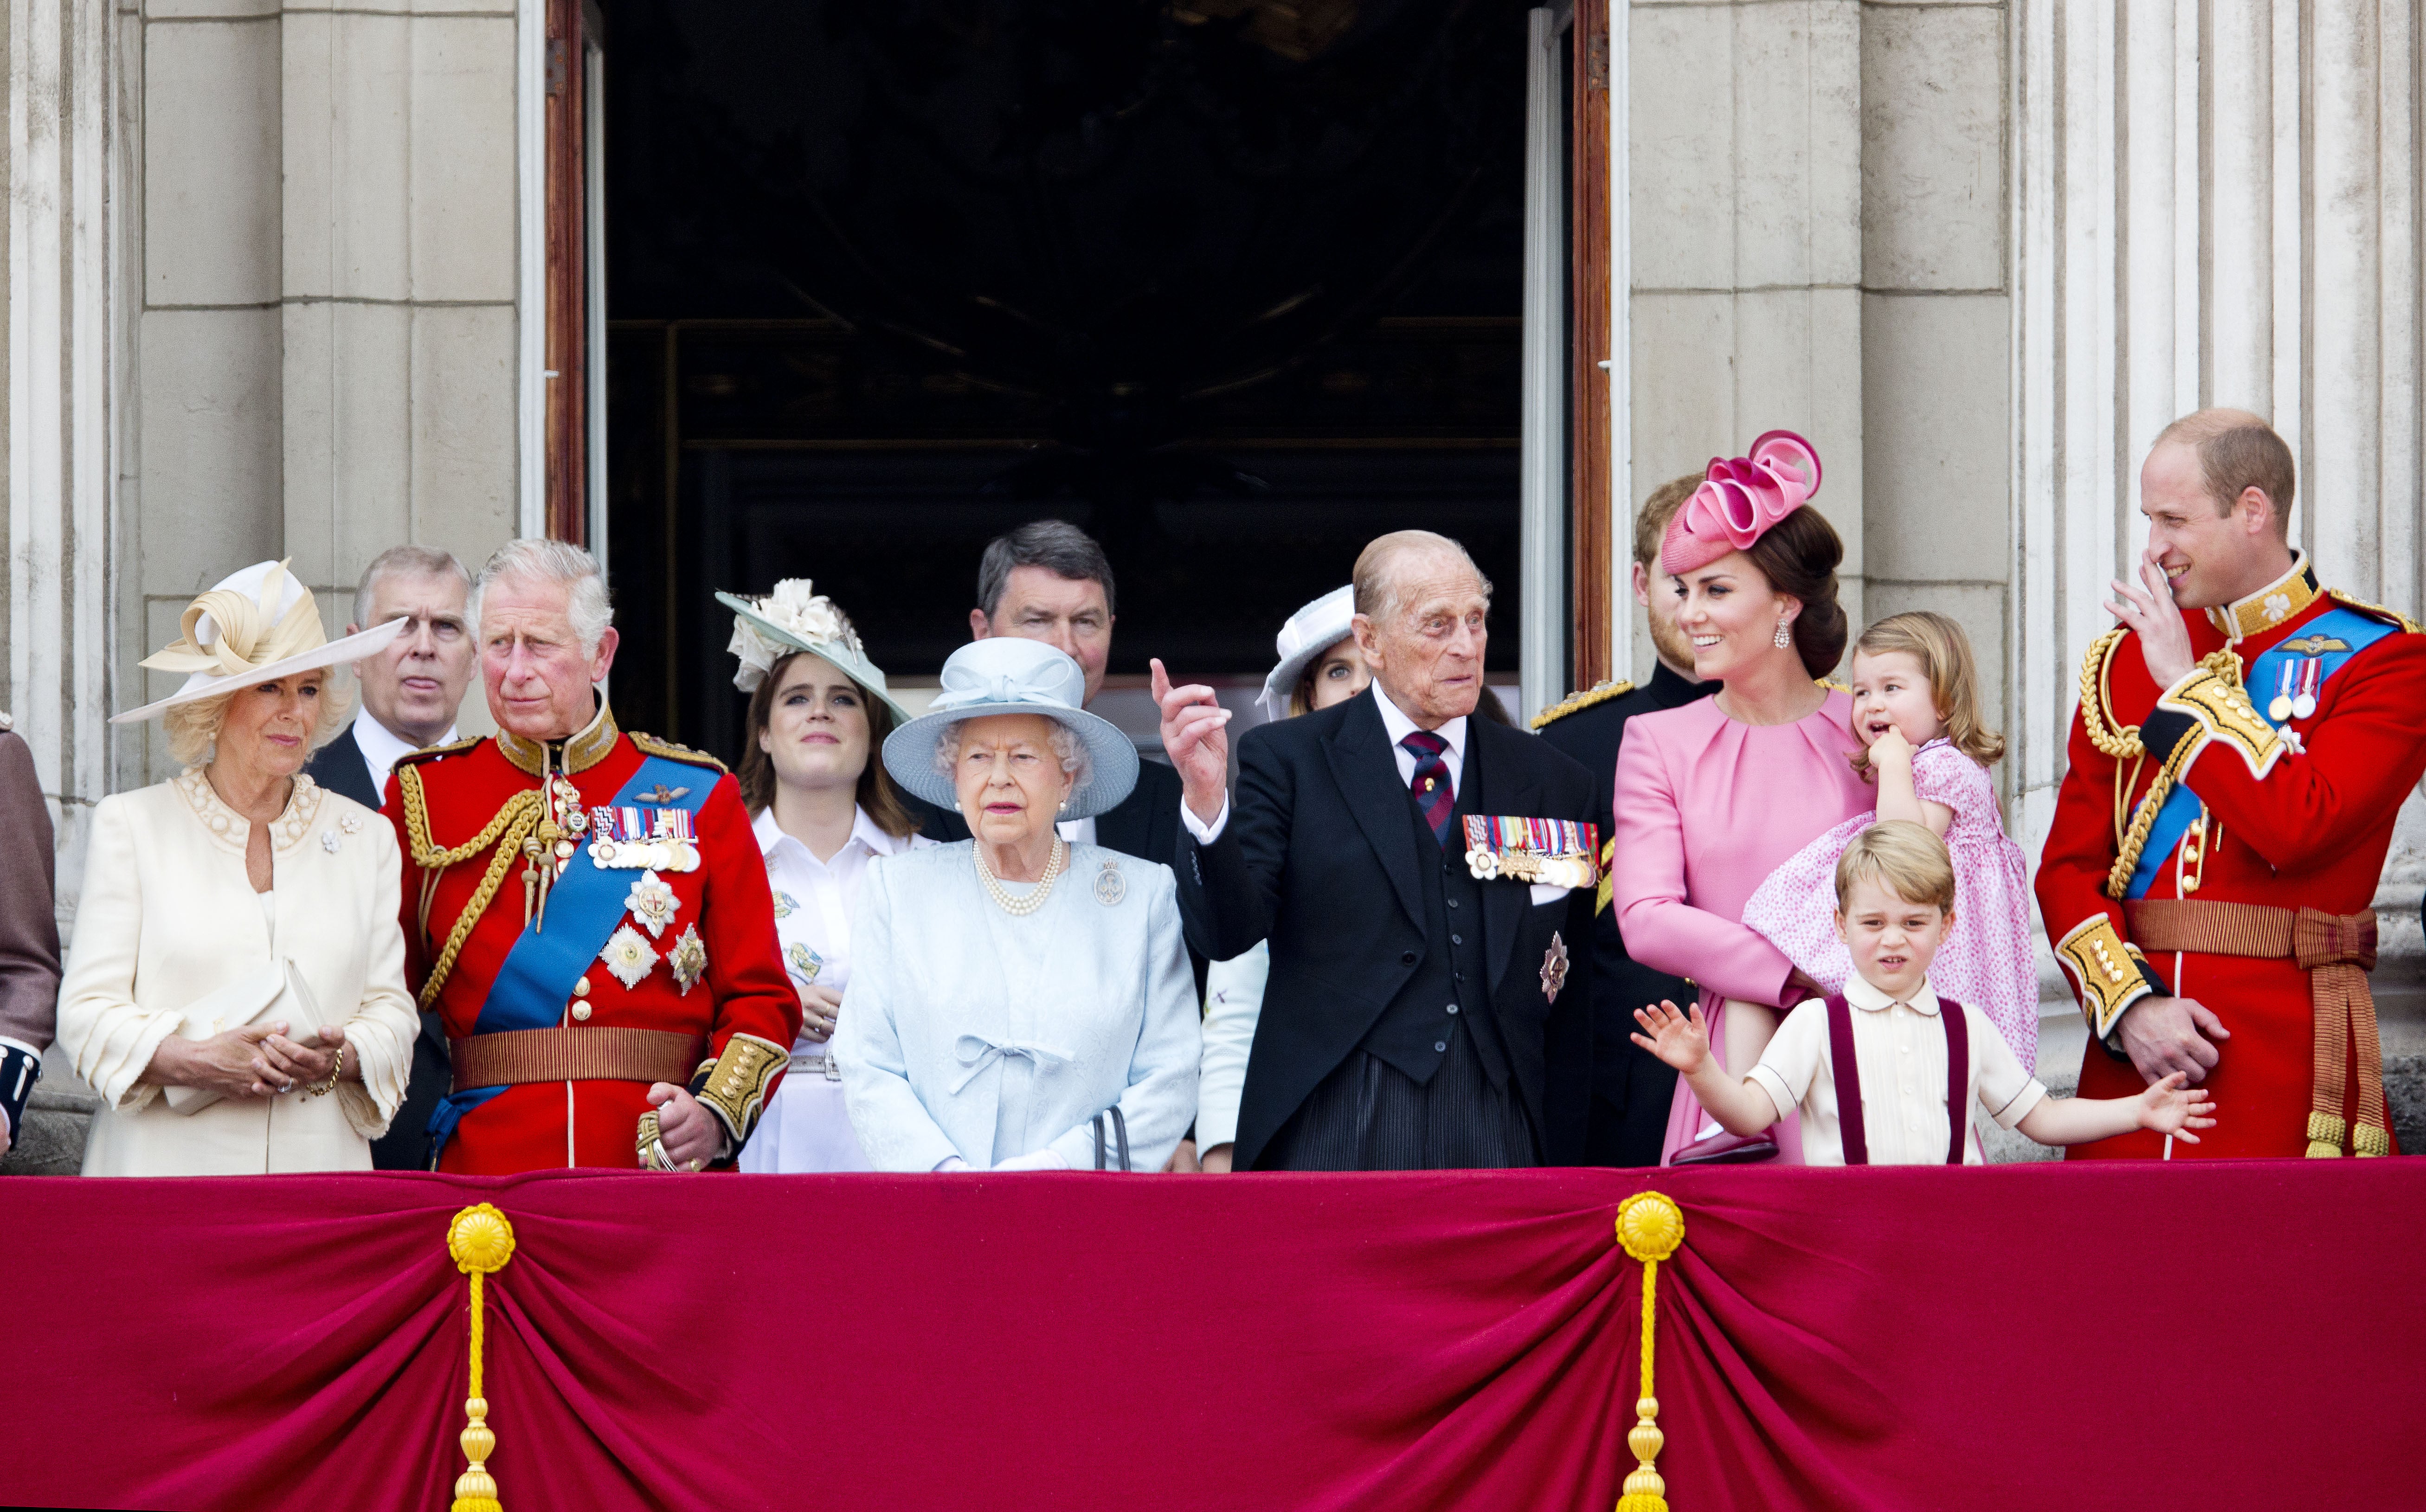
{"type": "Point", "coordinates": [1018, 1002]}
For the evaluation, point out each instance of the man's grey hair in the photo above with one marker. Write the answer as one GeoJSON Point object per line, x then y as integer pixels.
{"type": "Point", "coordinates": [553, 561]}
{"type": "Point", "coordinates": [1072, 751]}
{"type": "Point", "coordinates": [1055, 545]}
{"type": "Point", "coordinates": [1380, 583]}
{"type": "Point", "coordinates": [408, 561]}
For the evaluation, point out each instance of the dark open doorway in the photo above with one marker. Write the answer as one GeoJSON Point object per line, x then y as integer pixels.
{"type": "Point", "coordinates": [1234, 286]}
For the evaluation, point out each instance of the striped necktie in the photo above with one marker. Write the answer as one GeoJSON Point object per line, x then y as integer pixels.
{"type": "Point", "coordinates": [1431, 783]}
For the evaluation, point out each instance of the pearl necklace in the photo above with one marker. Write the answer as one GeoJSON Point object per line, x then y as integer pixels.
{"type": "Point", "coordinates": [1022, 907]}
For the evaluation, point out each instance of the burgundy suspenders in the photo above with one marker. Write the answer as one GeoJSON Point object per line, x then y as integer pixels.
{"type": "Point", "coordinates": [1849, 1079]}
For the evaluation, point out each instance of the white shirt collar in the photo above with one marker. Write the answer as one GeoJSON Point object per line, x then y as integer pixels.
{"type": "Point", "coordinates": [381, 746]}
{"type": "Point", "coordinates": [1861, 994]}
{"type": "Point", "coordinates": [865, 833]}
{"type": "Point", "coordinates": [1395, 720]}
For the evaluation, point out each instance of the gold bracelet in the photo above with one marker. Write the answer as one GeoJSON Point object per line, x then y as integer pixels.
{"type": "Point", "coordinates": [335, 1072]}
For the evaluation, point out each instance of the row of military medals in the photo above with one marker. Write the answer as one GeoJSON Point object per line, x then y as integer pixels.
{"type": "Point", "coordinates": [2295, 691]}
{"type": "Point", "coordinates": [1558, 852]}
{"type": "Point", "coordinates": [618, 838]}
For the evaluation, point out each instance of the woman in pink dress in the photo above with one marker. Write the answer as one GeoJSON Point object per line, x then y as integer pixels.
{"type": "Point", "coordinates": [1712, 796]}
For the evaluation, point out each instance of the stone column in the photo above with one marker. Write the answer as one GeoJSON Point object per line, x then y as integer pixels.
{"type": "Point", "coordinates": [64, 229]}
{"type": "Point", "coordinates": [2216, 206]}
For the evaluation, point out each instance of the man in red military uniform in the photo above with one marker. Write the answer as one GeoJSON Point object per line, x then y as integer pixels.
{"type": "Point", "coordinates": [2221, 831]}
{"type": "Point", "coordinates": [584, 909]}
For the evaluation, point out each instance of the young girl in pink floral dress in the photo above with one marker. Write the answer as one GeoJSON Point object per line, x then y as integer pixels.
{"type": "Point", "coordinates": [1916, 703]}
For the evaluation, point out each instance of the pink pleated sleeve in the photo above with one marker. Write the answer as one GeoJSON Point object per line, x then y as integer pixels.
{"type": "Point", "coordinates": [1662, 926]}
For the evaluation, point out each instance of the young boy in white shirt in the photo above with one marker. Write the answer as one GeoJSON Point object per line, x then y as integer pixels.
{"type": "Point", "coordinates": [1911, 1062]}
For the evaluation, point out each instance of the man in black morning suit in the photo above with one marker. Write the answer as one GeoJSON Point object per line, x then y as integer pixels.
{"type": "Point", "coordinates": [1406, 1020]}
{"type": "Point", "coordinates": [1624, 1109]}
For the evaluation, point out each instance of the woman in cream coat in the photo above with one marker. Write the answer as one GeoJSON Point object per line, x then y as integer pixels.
{"type": "Point", "coordinates": [234, 991]}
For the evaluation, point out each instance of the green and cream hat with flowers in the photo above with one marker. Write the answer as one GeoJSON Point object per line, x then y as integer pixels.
{"type": "Point", "coordinates": [792, 618]}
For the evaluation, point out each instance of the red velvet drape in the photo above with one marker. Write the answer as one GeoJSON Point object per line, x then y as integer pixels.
{"type": "Point", "coordinates": [2210, 1335]}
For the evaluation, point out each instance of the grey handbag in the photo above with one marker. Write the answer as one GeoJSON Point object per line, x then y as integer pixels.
{"type": "Point", "coordinates": [1119, 1133]}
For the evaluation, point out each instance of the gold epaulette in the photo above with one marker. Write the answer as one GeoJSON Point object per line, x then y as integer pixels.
{"type": "Point", "coordinates": [2395, 616]}
{"type": "Point", "coordinates": [673, 752]}
{"type": "Point", "coordinates": [430, 754]}
{"type": "Point", "coordinates": [1576, 702]}
{"type": "Point", "coordinates": [1833, 686]}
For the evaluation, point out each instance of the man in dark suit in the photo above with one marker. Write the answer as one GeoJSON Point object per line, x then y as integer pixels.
{"type": "Point", "coordinates": [1624, 1109]}
{"type": "Point", "coordinates": [409, 693]}
{"type": "Point", "coordinates": [1410, 1001]}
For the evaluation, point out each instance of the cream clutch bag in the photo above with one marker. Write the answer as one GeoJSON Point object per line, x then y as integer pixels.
{"type": "Point", "coordinates": [248, 999]}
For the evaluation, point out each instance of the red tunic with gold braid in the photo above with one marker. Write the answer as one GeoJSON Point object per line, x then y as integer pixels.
{"type": "Point", "coordinates": [731, 1016]}
{"type": "Point", "coordinates": [2297, 818]}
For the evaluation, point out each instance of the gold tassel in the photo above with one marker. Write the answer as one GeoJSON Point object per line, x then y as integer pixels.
{"type": "Point", "coordinates": [1650, 1227]}
{"type": "Point", "coordinates": [482, 1242]}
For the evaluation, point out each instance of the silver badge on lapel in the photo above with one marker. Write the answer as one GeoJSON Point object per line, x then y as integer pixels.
{"type": "Point", "coordinates": [1110, 886]}
{"type": "Point", "coordinates": [1553, 968]}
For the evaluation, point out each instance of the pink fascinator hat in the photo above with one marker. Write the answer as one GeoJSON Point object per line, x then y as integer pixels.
{"type": "Point", "coordinates": [1740, 499]}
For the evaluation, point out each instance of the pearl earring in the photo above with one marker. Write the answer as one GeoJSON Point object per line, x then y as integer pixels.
{"type": "Point", "coordinates": [1065, 806]}
{"type": "Point", "coordinates": [1785, 636]}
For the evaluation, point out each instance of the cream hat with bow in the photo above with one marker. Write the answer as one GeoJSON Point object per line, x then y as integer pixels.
{"type": "Point", "coordinates": [255, 626]}
{"type": "Point", "coordinates": [1006, 674]}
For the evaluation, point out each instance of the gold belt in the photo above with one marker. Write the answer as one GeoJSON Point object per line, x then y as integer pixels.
{"type": "Point", "coordinates": [601, 1054]}
{"type": "Point", "coordinates": [2336, 951]}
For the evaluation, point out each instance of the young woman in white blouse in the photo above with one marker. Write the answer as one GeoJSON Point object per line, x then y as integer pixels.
{"type": "Point", "coordinates": [823, 808]}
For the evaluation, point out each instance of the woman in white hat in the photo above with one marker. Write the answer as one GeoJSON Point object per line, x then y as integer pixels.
{"type": "Point", "coordinates": [236, 989]}
{"type": "Point", "coordinates": [1319, 666]}
{"type": "Point", "coordinates": [1017, 1002]}
{"type": "Point", "coordinates": [823, 807]}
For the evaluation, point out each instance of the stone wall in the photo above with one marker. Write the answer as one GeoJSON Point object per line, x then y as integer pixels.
{"type": "Point", "coordinates": [328, 324]}
{"type": "Point", "coordinates": [1819, 239]}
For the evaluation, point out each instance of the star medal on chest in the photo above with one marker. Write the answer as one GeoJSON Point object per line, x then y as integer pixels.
{"type": "Point", "coordinates": [626, 837]}
{"type": "Point", "coordinates": [1110, 886]}
{"type": "Point", "coordinates": [689, 959]}
{"type": "Point", "coordinates": [1553, 968]}
{"type": "Point", "coordinates": [805, 963]}
{"type": "Point", "coordinates": [629, 956]}
{"type": "Point", "coordinates": [653, 903]}
{"type": "Point", "coordinates": [1556, 852]}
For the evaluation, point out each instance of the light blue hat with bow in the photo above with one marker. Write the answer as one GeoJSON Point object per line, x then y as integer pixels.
{"type": "Point", "coordinates": [1006, 674]}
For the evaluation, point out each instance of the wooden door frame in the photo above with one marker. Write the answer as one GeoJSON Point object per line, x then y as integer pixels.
{"type": "Point", "coordinates": [565, 442]}
{"type": "Point", "coordinates": [1594, 500]}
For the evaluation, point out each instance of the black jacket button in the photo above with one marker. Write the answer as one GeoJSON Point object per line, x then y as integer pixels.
{"type": "Point", "coordinates": [1407, 959]}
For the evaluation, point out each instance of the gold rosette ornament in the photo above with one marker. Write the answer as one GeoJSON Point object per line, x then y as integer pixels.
{"type": "Point", "coordinates": [1650, 1227]}
{"type": "Point", "coordinates": [481, 1241]}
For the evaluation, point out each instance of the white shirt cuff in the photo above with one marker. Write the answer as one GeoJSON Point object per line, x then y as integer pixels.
{"type": "Point", "coordinates": [1206, 833]}
{"type": "Point", "coordinates": [1774, 1085]}
{"type": "Point", "coordinates": [2012, 1114]}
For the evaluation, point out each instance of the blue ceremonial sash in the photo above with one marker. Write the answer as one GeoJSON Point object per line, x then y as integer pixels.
{"type": "Point", "coordinates": [2356, 631]}
{"type": "Point", "coordinates": [583, 909]}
